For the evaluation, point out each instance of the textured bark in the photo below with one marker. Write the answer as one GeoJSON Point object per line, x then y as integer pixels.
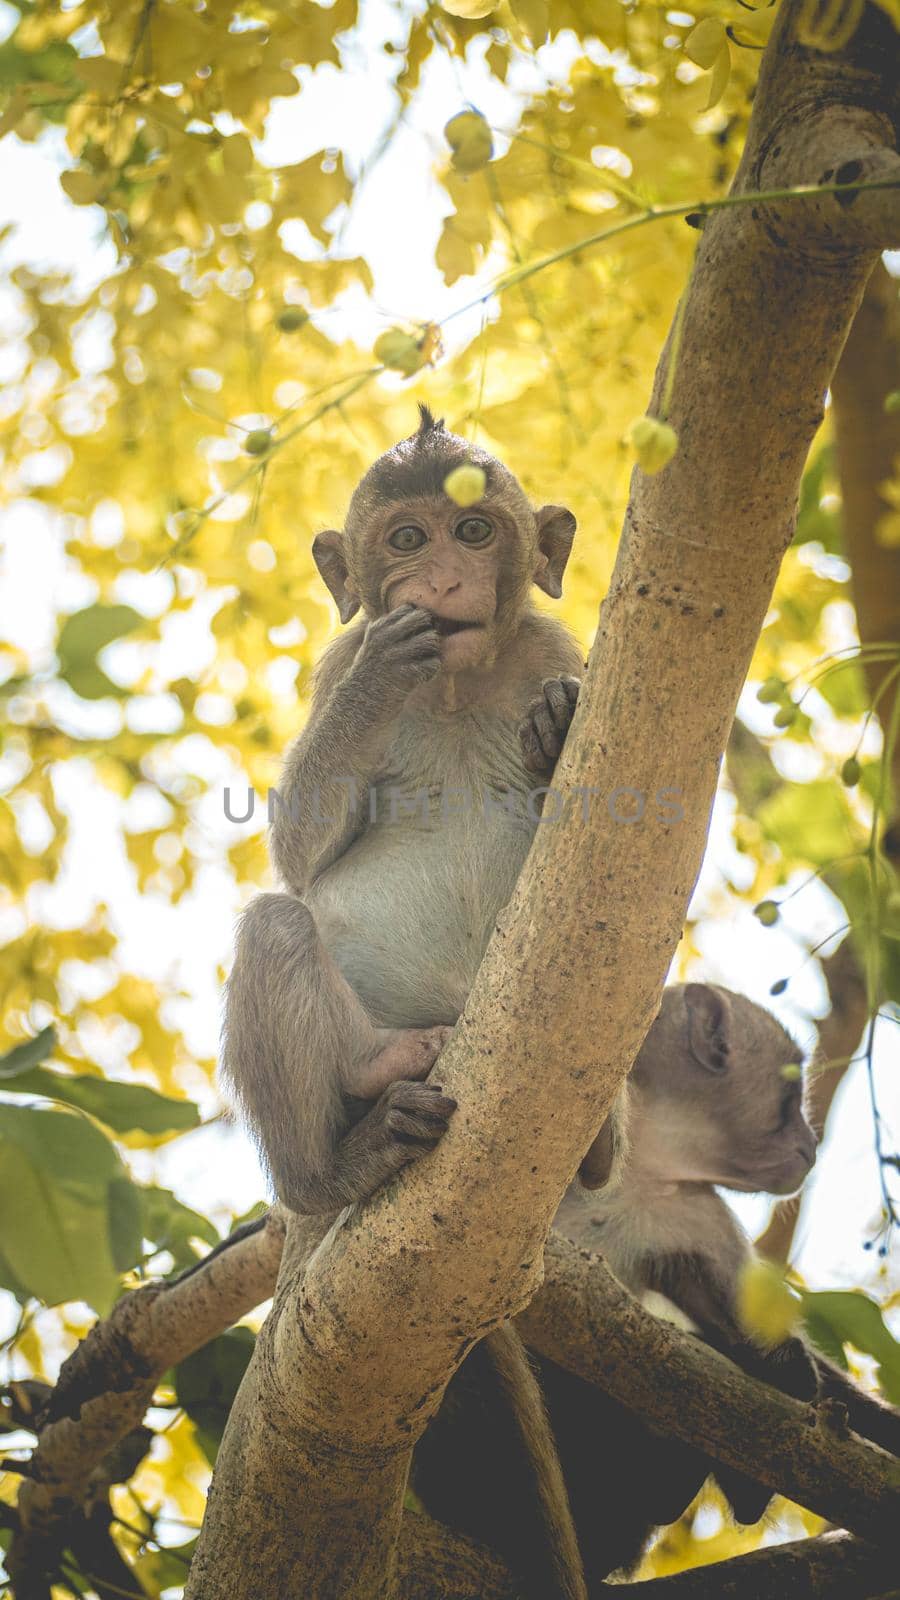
{"type": "Point", "coordinates": [360, 1344]}
{"type": "Point", "coordinates": [106, 1385]}
{"type": "Point", "coordinates": [581, 1318]}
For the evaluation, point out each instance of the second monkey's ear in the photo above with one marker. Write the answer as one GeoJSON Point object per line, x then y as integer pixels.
{"type": "Point", "coordinates": [556, 530]}
{"type": "Point", "coordinates": [328, 554]}
{"type": "Point", "coordinates": [708, 1026]}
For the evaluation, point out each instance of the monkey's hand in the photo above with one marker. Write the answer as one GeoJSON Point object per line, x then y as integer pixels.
{"type": "Point", "coordinates": [398, 652]}
{"type": "Point", "coordinates": [543, 731]}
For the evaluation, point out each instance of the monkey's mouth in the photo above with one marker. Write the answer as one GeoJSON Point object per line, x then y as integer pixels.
{"type": "Point", "coordinates": [446, 627]}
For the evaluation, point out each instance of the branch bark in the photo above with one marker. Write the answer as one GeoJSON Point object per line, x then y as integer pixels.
{"type": "Point", "coordinates": [106, 1385]}
{"type": "Point", "coordinates": [354, 1358]}
{"type": "Point", "coordinates": [585, 1321]}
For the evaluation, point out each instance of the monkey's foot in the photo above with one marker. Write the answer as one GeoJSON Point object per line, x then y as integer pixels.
{"type": "Point", "coordinates": [401, 1053]}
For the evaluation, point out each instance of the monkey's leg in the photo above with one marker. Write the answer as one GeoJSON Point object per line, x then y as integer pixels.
{"type": "Point", "coordinates": [297, 1042]}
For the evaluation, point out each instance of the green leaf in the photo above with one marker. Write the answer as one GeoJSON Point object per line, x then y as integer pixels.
{"type": "Point", "coordinates": [835, 1317]}
{"type": "Point", "coordinates": [165, 1568]}
{"type": "Point", "coordinates": [82, 636]}
{"type": "Point", "coordinates": [207, 1382]}
{"type": "Point", "coordinates": [126, 1223]}
{"type": "Point", "coordinates": [844, 687]}
{"type": "Point", "coordinates": [814, 521]}
{"type": "Point", "coordinates": [56, 1175]}
{"type": "Point", "coordinates": [810, 821]}
{"type": "Point", "coordinates": [123, 1107]}
{"type": "Point", "coordinates": [27, 1055]}
{"type": "Point", "coordinates": [171, 1226]}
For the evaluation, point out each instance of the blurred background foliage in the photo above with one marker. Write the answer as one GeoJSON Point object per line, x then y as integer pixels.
{"type": "Point", "coordinates": [194, 396]}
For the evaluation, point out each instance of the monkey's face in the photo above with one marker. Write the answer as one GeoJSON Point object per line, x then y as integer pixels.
{"type": "Point", "coordinates": [406, 541]}
{"type": "Point", "coordinates": [733, 1118]}
{"type": "Point", "coordinates": [458, 564]}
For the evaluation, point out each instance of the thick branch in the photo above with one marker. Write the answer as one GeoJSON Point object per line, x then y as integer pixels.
{"type": "Point", "coordinates": [585, 1321]}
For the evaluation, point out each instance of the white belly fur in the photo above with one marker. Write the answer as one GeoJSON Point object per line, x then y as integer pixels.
{"type": "Point", "coordinates": [406, 913]}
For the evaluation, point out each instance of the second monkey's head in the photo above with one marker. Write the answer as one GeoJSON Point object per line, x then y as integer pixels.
{"type": "Point", "coordinates": [406, 541]}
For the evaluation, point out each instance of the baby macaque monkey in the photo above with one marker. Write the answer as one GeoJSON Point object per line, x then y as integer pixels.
{"type": "Point", "coordinates": [715, 1099]}
{"type": "Point", "coordinates": [406, 814]}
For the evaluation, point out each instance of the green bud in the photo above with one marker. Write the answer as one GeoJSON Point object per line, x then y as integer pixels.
{"type": "Point", "coordinates": [770, 692]}
{"type": "Point", "coordinates": [291, 318]}
{"type": "Point", "coordinates": [767, 912]}
{"type": "Point", "coordinates": [258, 442]}
{"type": "Point", "coordinates": [851, 772]}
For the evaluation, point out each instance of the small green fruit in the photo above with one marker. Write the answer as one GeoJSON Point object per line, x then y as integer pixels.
{"type": "Point", "coordinates": [654, 443]}
{"type": "Point", "coordinates": [770, 692]}
{"type": "Point", "coordinates": [258, 442]}
{"type": "Point", "coordinates": [291, 318]}
{"type": "Point", "coordinates": [767, 913]}
{"type": "Point", "coordinates": [465, 485]}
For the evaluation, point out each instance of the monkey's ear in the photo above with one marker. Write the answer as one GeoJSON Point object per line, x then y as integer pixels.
{"type": "Point", "coordinates": [708, 1026]}
{"type": "Point", "coordinates": [328, 554]}
{"type": "Point", "coordinates": [556, 530]}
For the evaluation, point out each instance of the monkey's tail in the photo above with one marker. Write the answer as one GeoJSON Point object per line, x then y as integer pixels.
{"type": "Point", "coordinates": [548, 1553]}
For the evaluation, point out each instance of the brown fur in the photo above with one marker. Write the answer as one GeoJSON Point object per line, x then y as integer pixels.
{"type": "Point", "coordinates": [709, 1104]}
{"type": "Point", "coordinates": [346, 984]}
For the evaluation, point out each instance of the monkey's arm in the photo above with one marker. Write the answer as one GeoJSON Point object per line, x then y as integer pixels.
{"type": "Point", "coordinates": [361, 684]}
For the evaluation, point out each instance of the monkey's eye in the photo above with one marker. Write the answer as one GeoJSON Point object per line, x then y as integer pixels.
{"type": "Point", "coordinates": [474, 530]}
{"type": "Point", "coordinates": [406, 539]}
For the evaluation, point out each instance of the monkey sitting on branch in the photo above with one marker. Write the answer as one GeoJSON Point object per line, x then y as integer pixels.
{"type": "Point", "coordinates": [405, 814]}
{"type": "Point", "coordinates": [407, 808]}
{"type": "Point", "coordinates": [715, 1098]}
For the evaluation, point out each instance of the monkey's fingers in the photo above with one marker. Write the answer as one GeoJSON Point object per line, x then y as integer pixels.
{"type": "Point", "coordinates": [407, 621]}
{"type": "Point", "coordinates": [572, 687]}
{"type": "Point", "coordinates": [558, 704]}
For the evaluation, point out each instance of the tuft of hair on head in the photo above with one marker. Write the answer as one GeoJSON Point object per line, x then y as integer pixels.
{"type": "Point", "coordinates": [428, 424]}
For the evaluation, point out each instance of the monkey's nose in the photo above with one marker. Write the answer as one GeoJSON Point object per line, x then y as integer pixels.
{"type": "Point", "coordinates": [442, 587]}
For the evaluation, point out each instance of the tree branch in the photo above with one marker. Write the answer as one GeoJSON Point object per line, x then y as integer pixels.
{"type": "Point", "coordinates": [107, 1383]}
{"type": "Point", "coordinates": [585, 1321]}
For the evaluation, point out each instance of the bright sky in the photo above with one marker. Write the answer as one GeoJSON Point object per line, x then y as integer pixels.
{"type": "Point", "coordinates": [217, 1168]}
